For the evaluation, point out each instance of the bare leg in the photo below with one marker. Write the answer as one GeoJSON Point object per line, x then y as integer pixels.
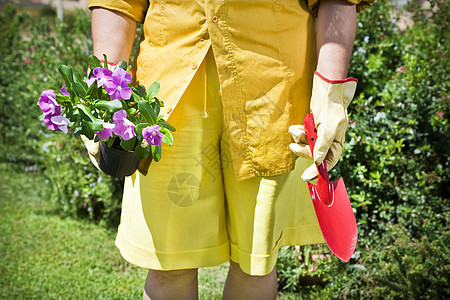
{"type": "Point", "coordinates": [178, 284]}
{"type": "Point", "coordinates": [240, 285]}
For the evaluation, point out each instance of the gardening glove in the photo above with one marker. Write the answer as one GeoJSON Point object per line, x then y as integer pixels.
{"type": "Point", "coordinates": [329, 102]}
{"type": "Point", "coordinates": [93, 149]}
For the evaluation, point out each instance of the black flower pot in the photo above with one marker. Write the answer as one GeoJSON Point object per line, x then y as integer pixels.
{"type": "Point", "coordinates": [117, 162]}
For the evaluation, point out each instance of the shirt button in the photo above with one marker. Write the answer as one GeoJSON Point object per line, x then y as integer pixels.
{"type": "Point", "coordinates": [214, 19]}
{"type": "Point", "coordinates": [194, 66]}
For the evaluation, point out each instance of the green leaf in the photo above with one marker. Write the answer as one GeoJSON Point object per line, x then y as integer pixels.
{"type": "Point", "coordinates": [168, 139]}
{"type": "Point", "coordinates": [135, 97]}
{"type": "Point", "coordinates": [61, 98]}
{"type": "Point", "coordinates": [86, 112]}
{"type": "Point", "coordinates": [94, 62]}
{"type": "Point", "coordinates": [164, 124]}
{"type": "Point", "coordinates": [67, 74]}
{"type": "Point", "coordinates": [80, 86]}
{"type": "Point", "coordinates": [153, 89]}
{"type": "Point", "coordinates": [142, 153]}
{"type": "Point", "coordinates": [140, 90]}
{"type": "Point", "coordinates": [87, 116]}
{"type": "Point", "coordinates": [110, 106]}
{"type": "Point", "coordinates": [110, 141]}
{"type": "Point", "coordinates": [122, 64]}
{"type": "Point", "coordinates": [128, 144]}
{"type": "Point", "coordinates": [93, 91]}
{"type": "Point", "coordinates": [156, 104]}
{"type": "Point", "coordinates": [156, 152]}
{"type": "Point", "coordinates": [95, 126]}
{"type": "Point", "coordinates": [139, 127]}
{"type": "Point", "coordinates": [147, 112]}
{"type": "Point", "coordinates": [105, 61]}
{"type": "Point", "coordinates": [87, 130]}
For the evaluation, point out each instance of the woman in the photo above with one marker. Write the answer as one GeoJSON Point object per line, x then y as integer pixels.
{"type": "Point", "coordinates": [235, 75]}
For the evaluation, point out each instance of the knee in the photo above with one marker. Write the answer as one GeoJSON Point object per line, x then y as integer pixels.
{"type": "Point", "coordinates": [176, 284]}
{"type": "Point", "coordinates": [172, 277]}
{"type": "Point", "coordinates": [236, 270]}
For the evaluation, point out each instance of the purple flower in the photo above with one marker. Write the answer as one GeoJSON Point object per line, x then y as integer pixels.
{"type": "Point", "coordinates": [118, 87]}
{"type": "Point", "coordinates": [52, 111]}
{"type": "Point", "coordinates": [56, 123]}
{"type": "Point", "coordinates": [122, 126]}
{"type": "Point", "coordinates": [107, 131]}
{"type": "Point", "coordinates": [48, 104]}
{"type": "Point", "coordinates": [152, 135]}
{"type": "Point", "coordinates": [63, 91]}
{"type": "Point", "coordinates": [102, 75]}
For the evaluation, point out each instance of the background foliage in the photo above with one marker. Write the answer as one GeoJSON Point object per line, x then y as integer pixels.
{"type": "Point", "coordinates": [395, 163]}
{"type": "Point", "coordinates": [40, 46]}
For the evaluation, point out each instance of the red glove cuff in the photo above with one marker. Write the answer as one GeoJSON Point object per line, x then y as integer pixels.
{"type": "Point", "coordinates": [335, 81]}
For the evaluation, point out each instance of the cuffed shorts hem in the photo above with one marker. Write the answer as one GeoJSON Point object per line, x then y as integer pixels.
{"type": "Point", "coordinates": [156, 260]}
{"type": "Point", "coordinates": [252, 264]}
{"type": "Point", "coordinates": [263, 264]}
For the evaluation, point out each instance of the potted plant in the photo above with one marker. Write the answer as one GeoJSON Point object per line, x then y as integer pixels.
{"type": "Point", "coordinates": [105, 107]}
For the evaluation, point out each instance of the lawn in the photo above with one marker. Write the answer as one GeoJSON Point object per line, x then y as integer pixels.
{"type": "Point", "coordinates": [47, 256]}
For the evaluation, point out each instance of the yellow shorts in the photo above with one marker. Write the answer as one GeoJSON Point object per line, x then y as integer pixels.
{"type": "Point", "coordinates": [190, 212]}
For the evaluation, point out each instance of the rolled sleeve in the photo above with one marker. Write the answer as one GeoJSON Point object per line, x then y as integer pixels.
{"type": "Point", "coordinates": [135, 9]}
{"type": "Point", "coordinates": [313, 5]}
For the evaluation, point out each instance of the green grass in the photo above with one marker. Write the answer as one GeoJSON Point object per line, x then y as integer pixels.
{"type": "Point", "coordinates": [46, 256]}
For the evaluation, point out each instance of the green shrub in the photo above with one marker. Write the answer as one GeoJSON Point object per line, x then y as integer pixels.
{"type": "Point", "coordinates": [396, 161]}
{"type": "Point", "coordinates": [396, 158]}
{"type": "Point", "coordinates": [39, 48]}
{"type": "Point", "coordinates": [413, 268]}
{"type": "Point", "coordinates": [18, 90]}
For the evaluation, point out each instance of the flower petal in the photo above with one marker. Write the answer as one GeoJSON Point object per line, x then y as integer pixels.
{"type": "Point", "coordinates": [60, 120]}
{"type": "Point", "coordinates": [152, 135]}
{"type": "Point", "coordinates": [63, 90]}
{"type": "Point", "coordinates": [106, 132]}
{"type": "Point", "coordinates": [122, 75]}
{"type": "Point", "coordinates": [126, 93]}
{"type": "Point", "coordinates": [119, 115]}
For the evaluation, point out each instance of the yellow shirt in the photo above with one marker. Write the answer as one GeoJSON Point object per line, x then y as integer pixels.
{"type": "Point", "coordinates": [265, 55]}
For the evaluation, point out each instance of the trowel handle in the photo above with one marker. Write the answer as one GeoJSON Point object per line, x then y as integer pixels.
{"type": "Point", "coordinates": [323, 182]}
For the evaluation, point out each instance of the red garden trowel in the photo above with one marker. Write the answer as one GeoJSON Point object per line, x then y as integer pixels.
{"type": "Point", "coordinates": [333, 209]}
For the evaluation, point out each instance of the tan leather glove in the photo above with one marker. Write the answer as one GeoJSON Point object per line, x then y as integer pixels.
{"type": "Point", "coordinates": [329, 102]}
{"type": "Point", "coordinates": [93, 149]}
